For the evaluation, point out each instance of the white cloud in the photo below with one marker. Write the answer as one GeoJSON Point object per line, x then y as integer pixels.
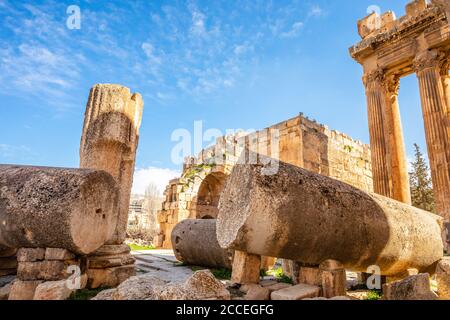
{"type": "Point", "coordinates": [294, 31]}
{"type": "Point", "coordinates": [160, 177]}
{"type": "Point", "coordinates": [149, 51]}
{"type": "Point", "coordinates": [316, 11]}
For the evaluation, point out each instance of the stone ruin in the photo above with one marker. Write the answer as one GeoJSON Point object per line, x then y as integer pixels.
{"type": "Point", "coordinates": [391, 48]}
{"type": "Point", "coordinates": [301, 216]}
{"type": "Point", "coordinates": [64, 229]}
{"type": "Point", "coordinates": [299, 141]}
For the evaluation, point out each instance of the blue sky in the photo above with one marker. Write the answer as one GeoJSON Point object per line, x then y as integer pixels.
{"type": "Point", "coordinates": [231, 64]}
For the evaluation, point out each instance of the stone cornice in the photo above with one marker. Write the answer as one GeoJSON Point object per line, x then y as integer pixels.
{"type": "Point", "coordinates": [404, 27]}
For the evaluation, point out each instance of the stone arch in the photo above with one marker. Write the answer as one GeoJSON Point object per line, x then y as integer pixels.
{"type": "Point", "coordinates": [208, 195]}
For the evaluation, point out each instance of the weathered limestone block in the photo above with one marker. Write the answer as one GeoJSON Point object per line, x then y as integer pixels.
{"type": "Point", "coordinates": [415, 7]}
{"type": "Point", "coordinates": [101, 262]}
{"type": "Point", "coordinates": [202, 285]}
{"type": "Point", "coordinates": [109, 277]}
{"type": "Point", "coordinates": [51, 207]}
{"type": "Point", "coordinates": [23, 290]}
{"type": "Point", "coordinates": [58, 254]}
{"type": "Point", "coordinates": [109, 250]}
{"type": "Point", "coordinates": [246, 268]}
{"type": "Point", "coordinates": [310, 275]}
{"type": "Point", "coordinates": [334, 279]}
{"type": "Point", "coordinates": [52, 290]}
{"type": "Point", "coordinates": [30, 254]}
{"type": "Point", "coordinates": [299, 215]}
{"type": "Point", "coordinates": [44, 270]}
{"type": "Point", "coordinates": [412, 288]}
{"type": "Point", "coordinates": [110, 139]}
{"type": "Point", "coordinates": [443, 278]}
{"type": "Point", "coordinates": [195, 242]}
{"type": "Point", "coordinates": [298, 292]}
{"type": "Point", "coordinates": [278, 287]}
{"type": "Point", "coordinates": [105, 295]}
{"type": "Point", "coordinates": [257, 293]}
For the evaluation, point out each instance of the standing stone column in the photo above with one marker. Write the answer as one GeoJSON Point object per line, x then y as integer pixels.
{"type": "Point", "coordinates": [109, 142]}
{"type": "Point", "coordinates": [378, 143]}
{"type": "Point", "coordinates": [434, 106]}
{"type": "Point", "coordinates": [394, 137]}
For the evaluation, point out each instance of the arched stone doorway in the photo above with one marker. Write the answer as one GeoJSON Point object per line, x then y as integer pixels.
{"type": "Point", "coordinates": [208, 195]}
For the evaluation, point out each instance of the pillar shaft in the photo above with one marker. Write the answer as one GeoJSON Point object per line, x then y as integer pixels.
{"type": "Point", "coordinates": [434, 108]}
{"type": "Point", "coordinates": [110, 139]}
{"type": "Point", "coordinates": [395, 143]}
{"type": "Point", "coordinates": [375, 108]}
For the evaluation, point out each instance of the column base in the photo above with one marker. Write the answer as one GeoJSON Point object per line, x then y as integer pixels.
{"type": "Point", "coordinates": [334, 279]}
{"type": "Point", "coordinates": [47, 274]}
{"type": "Point", "coordinates": [246, 268]}
{"type": "Point", "coordinates": [109, 266]}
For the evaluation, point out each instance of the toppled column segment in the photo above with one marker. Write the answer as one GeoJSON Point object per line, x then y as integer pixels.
{"type": "Point", "coordinates": [195, 243]}
{"type": "Point", "coordinates": [302, 216]}
{"type": "Point", "coordinates": [73, 209]}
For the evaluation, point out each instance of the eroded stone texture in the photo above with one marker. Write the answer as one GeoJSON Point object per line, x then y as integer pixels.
{"type": "Point", "coordinates": [443, 278]}
{"type": "Point", "coordinates": [298, 292]}
{"type": "Point", "coordinates": [195, 242]}
{"type": "Point", "coordinates": [200, 286]}
{"type": "Point", "coordinates": [52, 290]}
{"type": "Point", "coordinates": [44, 270]}
{"type": "Point", "coordinates": [110, 139]}
{"type": "Point", "coordinates": [412, 288]}
{"type": "Point", "coordinates": [334, 279]}
{"type": "Point", "coordinates": [23, 290]}
{"type": "Point", "coordinates": [246, 268]}
{"type": "Point", "coordinates": [109, 142]}
{"type": "Point", "coordinates": [299, 215]}
{"type": "Point", "coordinates": [30, 254]}
{"type": "Point", "coordinates": [257, 293]}
{"type": "Point", "coordinates": [110, 277]}
{"type": "Point", "coordinates": [51, 207]}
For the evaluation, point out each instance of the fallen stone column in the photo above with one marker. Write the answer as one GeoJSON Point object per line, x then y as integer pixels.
{"type": "Point", "coordinates": [302, 216]}
{"type": "Point", "coordinates": [195, 243]}
{"type": "Point", "coordinates": [72, 209]}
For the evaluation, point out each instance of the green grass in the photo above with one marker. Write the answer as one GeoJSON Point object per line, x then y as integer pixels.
{"type": "Point", "coordinates": [136, 247]}
{"type": "Point", "coordinates": [373, 295]}
{"type": "Point", "coordinates": [221, 274]}
{"type": "Point", "coordinates": [86, 294]}
{"type": "Point", "coordinates": [281, 277]}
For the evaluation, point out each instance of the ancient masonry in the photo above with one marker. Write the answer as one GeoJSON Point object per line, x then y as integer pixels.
{"type": "Point", "coordinates": [299, 141]}
{"type": "Point", "coordinates": [391, 48]}
{"type": "Point", "coordinates": [63, 229]}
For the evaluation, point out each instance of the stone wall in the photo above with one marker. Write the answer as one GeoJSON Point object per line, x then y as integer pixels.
{"type": "Point", "coordinates": [298, 141]}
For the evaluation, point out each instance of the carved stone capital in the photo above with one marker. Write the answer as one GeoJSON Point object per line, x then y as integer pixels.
{"type": "Point", "coordinates": [374, 77]}
{"type": "Point", "coordinates": [429, 59]}
{"type": "Point", "coordinates": [391, 84]}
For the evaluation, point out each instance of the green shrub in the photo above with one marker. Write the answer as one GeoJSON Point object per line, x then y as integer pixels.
{"type": "Point", "coordinates": [373, 295]}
